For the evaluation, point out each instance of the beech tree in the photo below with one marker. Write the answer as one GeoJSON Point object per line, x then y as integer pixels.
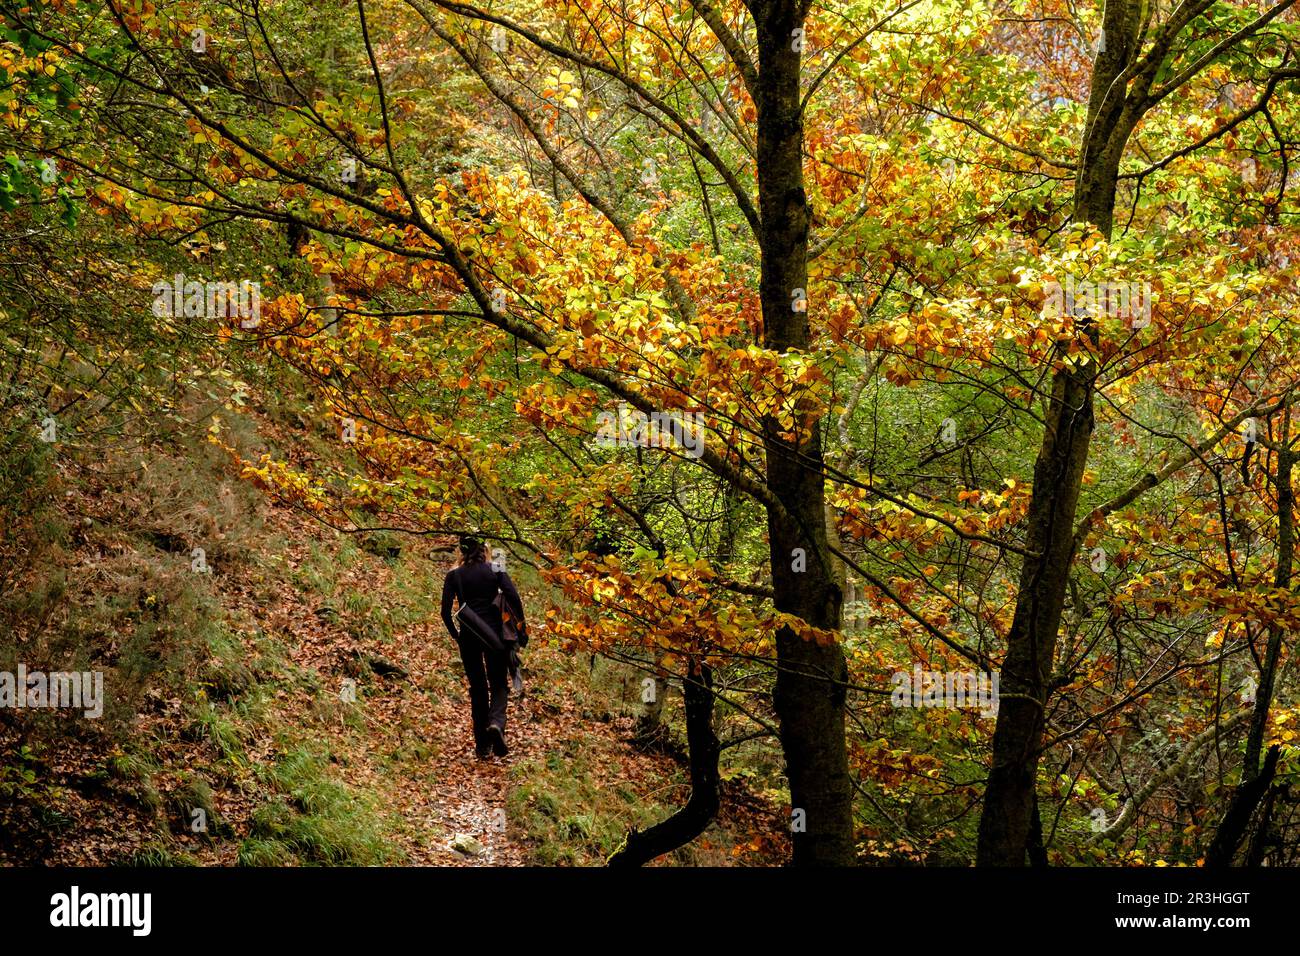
{"type": "Point", "coordinates": [1143, 58]}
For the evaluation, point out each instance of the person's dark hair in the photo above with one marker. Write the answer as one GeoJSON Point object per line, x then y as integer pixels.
{"type": "Point", "coordinates": [472, 550]}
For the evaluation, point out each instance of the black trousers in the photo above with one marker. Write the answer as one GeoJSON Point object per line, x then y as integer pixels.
{"type": "Point", "coordinates": [489, 685]}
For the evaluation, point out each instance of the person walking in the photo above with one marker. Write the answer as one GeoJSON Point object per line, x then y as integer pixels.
{"type": "Point", "coordinates": [474, 585]}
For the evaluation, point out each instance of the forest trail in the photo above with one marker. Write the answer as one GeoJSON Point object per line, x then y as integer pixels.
{"type": "Point", "coordinates": [415, 753]}
{"type": "Point", "coordinates": [464, 797]}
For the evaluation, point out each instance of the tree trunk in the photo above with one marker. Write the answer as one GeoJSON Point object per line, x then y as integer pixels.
{"type": "Point", "coordinates": [702, 805]}
{"type": "Point", "coordinates": [1008, 822]}
{"type": "Point", "coordinates": [1264, 837]}
{"type": "Point", "coordinates": [811, 677]}
{"type": "Point", "coordinates": [1244, 801]}
{"type": "Point", "coordinates": [1281, 581]}
{"type": "Point", "coordinates": [650, 731]}
{"type": "Point", "coordinates": [1255, 781]}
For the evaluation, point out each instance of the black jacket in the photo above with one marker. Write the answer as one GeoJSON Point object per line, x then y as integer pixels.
{"type": "Point", "coordinates": [475, 585]}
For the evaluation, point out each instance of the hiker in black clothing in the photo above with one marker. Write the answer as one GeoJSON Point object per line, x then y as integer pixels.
{"type": "Point", "coordinates": [474, 584]}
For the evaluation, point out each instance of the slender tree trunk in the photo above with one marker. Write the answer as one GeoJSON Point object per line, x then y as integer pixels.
{"type": "Point", "coordinates": [811, 677]}
{"type": "Point", "coordinates": [1244, 801]}
{"type": "Point", "coordinates": [1281, 581]}
{"type": "Point", "coordinates": [702, 806]}
{"type": "Point", "coordinates": [1009, 821]}
{"type": "Point", "coordinates": [1255, 781]}
{"type": "Point", "coordinates": [650, 731]}
{"type": "Point", "coordinates": [1263, 837]}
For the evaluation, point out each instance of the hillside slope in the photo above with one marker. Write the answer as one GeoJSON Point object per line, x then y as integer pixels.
{"type": "Point", "coordinates": [228, 630]}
